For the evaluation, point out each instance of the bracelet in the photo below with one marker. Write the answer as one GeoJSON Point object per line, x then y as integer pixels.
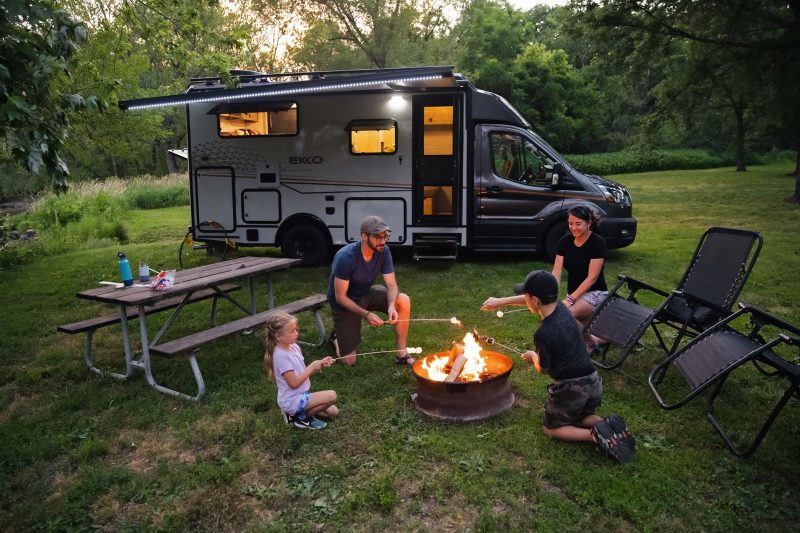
{"type": "Point", "coordinates": [366, 314]}
{"type": "Point", "coordinates": [570, 299]}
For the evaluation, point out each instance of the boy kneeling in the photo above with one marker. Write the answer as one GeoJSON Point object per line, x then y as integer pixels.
{"type": "Point", "coordinates": [572, 401]}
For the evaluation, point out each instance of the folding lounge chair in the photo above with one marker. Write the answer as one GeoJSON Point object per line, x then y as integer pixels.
{"type": "Point", "coordinates": [710, 358]}
{"type": "Point", "coordinates": [716, 274]}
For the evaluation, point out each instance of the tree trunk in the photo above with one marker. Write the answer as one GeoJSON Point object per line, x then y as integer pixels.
{"type": "Point", "coordinates": [741, 151]}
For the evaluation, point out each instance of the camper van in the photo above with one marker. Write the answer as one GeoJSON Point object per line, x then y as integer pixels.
{"type": "Point", "coordinates": [296, 160]}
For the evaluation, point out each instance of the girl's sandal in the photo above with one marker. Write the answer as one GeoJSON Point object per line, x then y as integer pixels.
{"type": "Point", "coordinates": [404, 359]}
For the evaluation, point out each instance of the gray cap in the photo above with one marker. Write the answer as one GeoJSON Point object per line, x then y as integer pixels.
{"type": "Point", "coordinates": [539, 283]}
{"type": "Point", "coordinates": [374, 224]}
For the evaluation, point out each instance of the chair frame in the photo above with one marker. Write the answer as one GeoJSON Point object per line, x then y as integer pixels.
{"type": "Point", "coordinates": [661, 316]}
{"type": "Point", "coordinates": [762, 357]}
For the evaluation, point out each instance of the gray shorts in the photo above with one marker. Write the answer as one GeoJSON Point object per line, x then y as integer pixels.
{"type": "Point", "coordinates": [348, 325]}
{"type": "Point", "coordinates": [594, 298]}
{"type": "Point", "coordinates": [571, 400]}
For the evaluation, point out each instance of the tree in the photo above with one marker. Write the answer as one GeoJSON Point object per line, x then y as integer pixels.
{"type": "Point", "coordinates": [375, 33]}
{"type": "Point", "coordinates": [745, 33]}
{"type": "Point", "coordinates": [37, 44]}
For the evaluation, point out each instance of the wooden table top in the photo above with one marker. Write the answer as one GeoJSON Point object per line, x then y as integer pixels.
{"type": "Point", "coordinates": [190, 280]}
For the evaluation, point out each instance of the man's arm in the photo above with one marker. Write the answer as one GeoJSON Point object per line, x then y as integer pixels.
{"type": "Point", "coordinates": [340, 287]}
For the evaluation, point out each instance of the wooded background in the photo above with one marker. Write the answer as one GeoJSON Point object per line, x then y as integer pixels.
{"type": "Point", "coordinates": [591, 76]}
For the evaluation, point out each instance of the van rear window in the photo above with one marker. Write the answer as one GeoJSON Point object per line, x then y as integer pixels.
{"type": "Point", "coordinates": [256, 119]}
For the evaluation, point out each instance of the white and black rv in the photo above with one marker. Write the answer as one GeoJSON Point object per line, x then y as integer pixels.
{"type": "Point", "coordinates": [296, 160]}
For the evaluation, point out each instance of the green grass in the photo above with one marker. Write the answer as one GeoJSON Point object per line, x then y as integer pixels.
{"type": "Point", "coordinates": [79, 451]}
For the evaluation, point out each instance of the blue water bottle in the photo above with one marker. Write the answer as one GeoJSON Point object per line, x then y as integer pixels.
{"type": "Point", "coordinates": [125, 270]}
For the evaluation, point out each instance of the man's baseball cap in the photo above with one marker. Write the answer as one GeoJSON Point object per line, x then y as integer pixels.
{"type": "Point", "coordinates": [539, 283]}
{"type": "Point", "coordinates": [373, 224]}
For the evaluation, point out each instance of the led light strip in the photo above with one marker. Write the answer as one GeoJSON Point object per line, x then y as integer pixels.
{"type": "Point", "coordinates": [188, 99]}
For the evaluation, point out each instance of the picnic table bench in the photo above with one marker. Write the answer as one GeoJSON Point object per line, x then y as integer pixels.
{"type": "Point", "coordinates": [91, 325]}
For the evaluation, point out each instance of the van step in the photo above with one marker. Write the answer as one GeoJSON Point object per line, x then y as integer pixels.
{"type": "Point", "coordinates": [436, 246]}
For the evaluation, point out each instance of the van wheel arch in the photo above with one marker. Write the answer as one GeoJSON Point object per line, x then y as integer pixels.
{"type": "Point", "coordinates": [305, 238]}
{"type": "Point", "coordinates": [551, 237]}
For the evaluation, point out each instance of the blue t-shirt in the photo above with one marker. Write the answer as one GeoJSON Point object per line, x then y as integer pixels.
{"type": "Point", "coordinates": [349, 264]}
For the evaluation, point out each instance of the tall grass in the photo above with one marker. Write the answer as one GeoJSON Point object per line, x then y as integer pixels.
{"type": "Point", "coordinates": [91, 214]}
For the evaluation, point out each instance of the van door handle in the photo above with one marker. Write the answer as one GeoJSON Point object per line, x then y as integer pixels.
{"type": "Point", "coordinates": [494, 189]}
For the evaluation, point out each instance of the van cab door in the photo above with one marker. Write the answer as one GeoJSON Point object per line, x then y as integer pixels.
{"type": "Point", "coordinates": [514, 193]}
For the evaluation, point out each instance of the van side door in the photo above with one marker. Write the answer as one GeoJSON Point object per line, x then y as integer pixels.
{"type": "Point", "coordinates": [513, 189]}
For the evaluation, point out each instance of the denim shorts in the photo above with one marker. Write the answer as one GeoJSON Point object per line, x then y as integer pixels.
{"type": "Point", "coordinates": [301, 405]}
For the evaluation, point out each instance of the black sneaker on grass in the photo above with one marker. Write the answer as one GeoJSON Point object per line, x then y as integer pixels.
{"type": "Point", "coordinates": [621, 432]}
{"type": "Point", "coordinates": [603, 435]}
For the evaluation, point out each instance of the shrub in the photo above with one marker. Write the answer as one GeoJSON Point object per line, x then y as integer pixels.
{"type": "Point", "coordinates": [148, 197]}
{"type": "Point", "coordinates": [631, 160]}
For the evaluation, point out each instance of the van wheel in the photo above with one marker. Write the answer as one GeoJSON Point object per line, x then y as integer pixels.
{"type": "Point", "coordinates": [557, 230]}
{"type": "Point", "coordinates": [308, 243]}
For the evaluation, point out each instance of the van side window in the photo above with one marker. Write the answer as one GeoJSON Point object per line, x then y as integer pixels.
{"type": "Point", "coordinates": [373, 136]}
{"type": "Point", "coordinates": [256, 119]}
{"type": "Point", "coordinates": [516, 158]}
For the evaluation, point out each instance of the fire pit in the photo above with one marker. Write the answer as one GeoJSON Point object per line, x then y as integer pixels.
{"type": "Point", "coordinates": [464, 383]}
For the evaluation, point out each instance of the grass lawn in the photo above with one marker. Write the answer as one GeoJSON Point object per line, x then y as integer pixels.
{"type": "Point", "coordinates": [79, 451]}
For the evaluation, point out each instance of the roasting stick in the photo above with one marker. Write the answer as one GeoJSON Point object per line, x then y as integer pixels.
{"type": "Point", "coordinates": [452, 320]}
{"type": "Point", "coordinates": [490, 341]}
{"type": "Point", "coordinates": [500, 313]}
{"type": "Point", "coordinates": [410, 350]}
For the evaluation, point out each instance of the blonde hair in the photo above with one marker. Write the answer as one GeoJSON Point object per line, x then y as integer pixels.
{"type": "Point", "coordinates": [274, 325]}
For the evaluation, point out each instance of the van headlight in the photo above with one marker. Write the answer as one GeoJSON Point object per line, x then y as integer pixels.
{"type": "Point", "coordinates": [616, 194]}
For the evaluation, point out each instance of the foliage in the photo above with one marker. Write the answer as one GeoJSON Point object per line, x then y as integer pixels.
{"type": "Point", "coordinates": [639, 160]}
{"type": "Point", "coordinates": [90, 215]}
{"type": "Point", "coordinates": [37, 45]}
{"type": "Point", "coordinates": [119, 456]}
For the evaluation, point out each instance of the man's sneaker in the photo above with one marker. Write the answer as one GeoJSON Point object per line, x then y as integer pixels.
{"type": "Point", "coordinates": [621, 432]}
{"type": "Point", "coordinates": [603, 435]}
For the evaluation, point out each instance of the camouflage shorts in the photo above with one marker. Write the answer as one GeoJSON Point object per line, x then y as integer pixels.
{"type": "Point", "coordinates": [571, 400]}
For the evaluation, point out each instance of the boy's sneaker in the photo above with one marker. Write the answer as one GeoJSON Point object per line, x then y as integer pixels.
{"type": "Point", "coordinates": [621, 432]}
{"type": "Point", "coordinates": [603, 435]}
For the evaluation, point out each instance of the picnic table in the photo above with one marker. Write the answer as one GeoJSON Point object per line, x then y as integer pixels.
{"type": "Point", "coordinates": [190, 285]}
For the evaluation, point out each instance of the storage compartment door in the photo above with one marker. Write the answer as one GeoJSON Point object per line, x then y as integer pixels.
{"type": "Point", "coordinates": [215, 200]}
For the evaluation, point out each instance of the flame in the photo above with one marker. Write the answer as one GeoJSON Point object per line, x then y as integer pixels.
{"type": "Point", "coordinates": [474, 366]}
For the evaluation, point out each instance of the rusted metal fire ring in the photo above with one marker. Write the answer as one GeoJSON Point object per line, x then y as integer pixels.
{"type": "Point", "coordinates": [466, 401]}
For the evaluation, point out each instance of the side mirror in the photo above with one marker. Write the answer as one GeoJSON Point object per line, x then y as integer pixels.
{"type": "Point", "coordinates": [557, 177]}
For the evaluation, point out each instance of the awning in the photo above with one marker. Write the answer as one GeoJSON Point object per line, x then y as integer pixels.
{"type": "Point", "coordinates": [336, 81]}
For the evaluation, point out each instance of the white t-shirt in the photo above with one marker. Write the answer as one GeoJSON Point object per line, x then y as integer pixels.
{"type": "Point", "coordinates": [283, 361]}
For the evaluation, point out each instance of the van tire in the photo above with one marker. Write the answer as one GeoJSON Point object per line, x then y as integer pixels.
{"type": "Point", "coordinates": [554, 234]}
{"type": "Point", "coordinates": [306, 242]}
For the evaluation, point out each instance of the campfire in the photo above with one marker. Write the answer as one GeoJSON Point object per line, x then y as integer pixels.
{"type": "Point", "coordinates": [464, 362]}
{"type": "Point", "coordinates": [464, 383]}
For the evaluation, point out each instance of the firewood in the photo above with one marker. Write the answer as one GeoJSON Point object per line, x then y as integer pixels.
{"type": "Point", "coordinates": [458, 366]}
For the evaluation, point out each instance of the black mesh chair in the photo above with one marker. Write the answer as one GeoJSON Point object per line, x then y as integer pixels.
{"type": "Point", "coordinates": [716, 274]}
{"type": "Point", "coordinates": [708, 360]}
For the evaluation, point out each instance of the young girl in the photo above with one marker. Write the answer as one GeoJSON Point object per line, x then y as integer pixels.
{"type": "Point", "coordinates": [284, 364]}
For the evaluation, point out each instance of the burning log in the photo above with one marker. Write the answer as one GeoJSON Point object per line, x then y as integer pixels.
{"type": "Point", "coordinates": [455, 370]}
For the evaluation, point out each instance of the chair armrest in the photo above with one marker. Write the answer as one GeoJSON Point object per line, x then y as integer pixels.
{"type": "Point", "coordinates": [766, 318]}
{"type": "Point", "coordinates": [692, 299]}
{"type": "Point", "coordinates": [634, 285]}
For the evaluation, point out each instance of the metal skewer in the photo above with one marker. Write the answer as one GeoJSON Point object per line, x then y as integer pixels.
{"type": "Point", "coordinates": [410, 350]}
{"type": "Point", "coordinates": [452, 320]}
